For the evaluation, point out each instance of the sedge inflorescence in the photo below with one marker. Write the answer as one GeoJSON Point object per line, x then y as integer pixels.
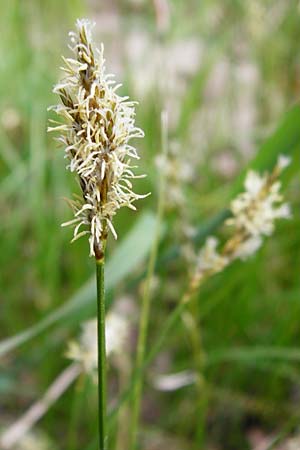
{"type": "Point", "coordinates": [254, 213]}
{"type": "Point", "coordinates": [98, 125]}
{"type": "Point", "coordinates": [84, 350]}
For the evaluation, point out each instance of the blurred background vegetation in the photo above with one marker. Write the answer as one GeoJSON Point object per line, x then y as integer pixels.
{"type": "Point", "coordinates": [228, 73]}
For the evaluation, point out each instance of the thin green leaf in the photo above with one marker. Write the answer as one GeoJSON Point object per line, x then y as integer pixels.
{"type": "Point", "coordinates": [284, 140]}
{"type": "Point", "coordinates": [245, 354]}
{"type": "Point", "coordinates": [127, 257]}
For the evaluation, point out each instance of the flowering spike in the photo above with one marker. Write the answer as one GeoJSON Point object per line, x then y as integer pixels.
{"type": "Point", "coordinates": [98, 125]}
{"type": "Point", "coordinates": [84, 350]}
{"type": "Point", "coordinates": [253, 215]}
{"type": "Point", "coordinates": [255, 210]}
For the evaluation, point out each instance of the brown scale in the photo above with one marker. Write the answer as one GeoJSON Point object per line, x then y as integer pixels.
{"type": "Point", "coordinates": [87, 76]}
{"type": "Point", "coordinates": [66, 98]}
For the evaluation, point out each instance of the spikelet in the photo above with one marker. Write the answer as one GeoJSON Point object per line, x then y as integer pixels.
{"type": "Point", "coordinates": [254, 213]}
{"type": "Point", "coordinates": [98, 125]}
{"type": "Point", "coordinates": [84, 350]}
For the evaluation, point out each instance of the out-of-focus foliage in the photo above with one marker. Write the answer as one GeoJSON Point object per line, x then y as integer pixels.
{"type": "Point", "coordinates": [228, 74]}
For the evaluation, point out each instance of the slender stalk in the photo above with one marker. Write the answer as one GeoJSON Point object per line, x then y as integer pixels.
{"type": "Point", "coordinates": [79, 395]}
{"type": "Point", "coordinates": [101, 353]}
{"type": "Point", "coordinates": [195, 333]}
{"type": "Point", "coordinates": [146, 301]}
{"type": "Point", "coordinates": [124, 371]}
{"type": "Point", "coordinates": [172, 320]}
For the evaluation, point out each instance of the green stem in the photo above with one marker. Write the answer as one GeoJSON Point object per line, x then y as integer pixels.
{"type": "Point", "coordinates": [101, 354]}
{"type": "Point", "coordinates": [172, 320]}
{"type": "Point", "coordinates": [77, 407]}
{"type": "Point", "coordinates": [143, 327]}
{"type": "Point", "coordinates": [144, 318]}
{"type": "Point", "coordinates": [194, 330]}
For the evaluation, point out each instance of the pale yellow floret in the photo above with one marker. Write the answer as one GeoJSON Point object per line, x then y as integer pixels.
{"type": "Point", "coordinates": [84, 350]}
{"type": "Point", "coordinates": [98, 127]}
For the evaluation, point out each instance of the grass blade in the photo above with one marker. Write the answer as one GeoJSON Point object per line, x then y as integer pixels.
{"type": "Point", "coordinates": [124, 258]}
